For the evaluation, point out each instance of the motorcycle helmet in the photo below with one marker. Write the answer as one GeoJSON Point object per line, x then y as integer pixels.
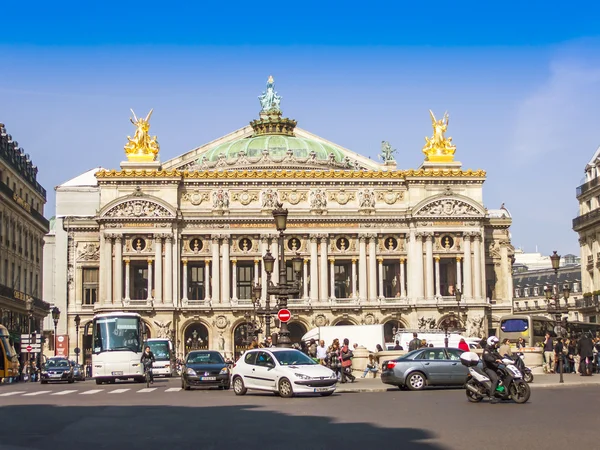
{"type": "Point", "coordinates": [492, 341]}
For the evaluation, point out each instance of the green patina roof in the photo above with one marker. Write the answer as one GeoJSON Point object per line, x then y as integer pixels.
{"type": "Point", "coordinates": [277, 145]}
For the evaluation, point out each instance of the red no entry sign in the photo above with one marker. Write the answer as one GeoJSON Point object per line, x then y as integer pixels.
{"type": "Point", "coordinates": [29, 348]}
{"type": "Point", "coordinates": [284, 315]}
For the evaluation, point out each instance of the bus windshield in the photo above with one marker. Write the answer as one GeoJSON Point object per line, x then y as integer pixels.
{"type": "Point", "coordinates": [160, 349]}
{"type": "Point", "coordinates": [7, 347]}
{"type": "Point", "coordinates": [117, 334]}
{"type": "Point", "coordinates": [514, 325]}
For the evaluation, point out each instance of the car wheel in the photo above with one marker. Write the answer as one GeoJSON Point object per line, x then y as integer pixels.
{"type": "Point", "coordinates": [71, 381]}
{"type": "Point", "coordinates": [44, 382]}
{"type": "Point", "coordinates": [238, 386]}
{"type": "Point", "coordinates": [185, 386]}
{"type": "Point", "coordinates": [285, 388]}
{"type": "Point", "coordinates": [98, 381]}
{"type": "Point", "coordinates": [416, 381]}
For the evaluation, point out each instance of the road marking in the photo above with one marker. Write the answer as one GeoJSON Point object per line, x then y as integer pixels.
{"type": "Point", "coordinates": [93, 391]}
{"type": "Point", "coordinates": [118, 391]}
{"type": "Point", "coordinates": [64, 392]}
{"type": "Point", "coordinates": [8, 394]}
{"type": "Point", "coordinates": [173, 390]}
{"type": "Point", "coordinates": [31, 394]}
{"type": "Point", "coordinates": [142, 391]}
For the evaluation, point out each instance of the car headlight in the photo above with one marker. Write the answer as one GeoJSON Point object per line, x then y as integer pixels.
{"type": "Point", "coordinates": [302, 376]}
{"type": "Point", "coordinates": [224, 371]}
{"type": "Point", "coordinates": [190, 371]}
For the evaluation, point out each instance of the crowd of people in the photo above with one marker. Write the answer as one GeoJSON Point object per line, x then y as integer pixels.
{"type": "Point", "coordinates": [579, 355]}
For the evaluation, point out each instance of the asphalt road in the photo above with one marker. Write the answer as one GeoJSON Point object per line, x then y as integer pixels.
{"type": "Point", "coordinates": [127, 416]}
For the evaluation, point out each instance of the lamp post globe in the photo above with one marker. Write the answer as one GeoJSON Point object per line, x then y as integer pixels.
{"type": "Point", "coordinates": [555, 260]}
{"type": "Point", "coordinates": [269, 262]}
{"type": "Point", "coordinates": [297, 263]}
{"type": "Point", "coordinates": [280, 215]}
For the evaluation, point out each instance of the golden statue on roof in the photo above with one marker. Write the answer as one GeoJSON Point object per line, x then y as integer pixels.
{"type": "Point", "coordinates": [141, 147]}
{"type": "Point", "coordinates": [439, 148]}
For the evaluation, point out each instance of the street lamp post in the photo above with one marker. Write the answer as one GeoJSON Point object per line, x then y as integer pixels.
{"type": "Point", "coordinates": [55, 318]}
{"type": "Point", "coordinates": [29, 308]}
{"type": "Point", "coordinates": [77, 350]}
{"type": "Point", "coordinates": [554, 307]}
{"type": "Point", "coordinates": [458, 296]}
{"type": "Point", "coordinates": [282, 290]}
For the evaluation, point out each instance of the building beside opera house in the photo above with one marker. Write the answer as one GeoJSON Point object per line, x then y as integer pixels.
{"type": "Point", "coordinates": [181, 242]}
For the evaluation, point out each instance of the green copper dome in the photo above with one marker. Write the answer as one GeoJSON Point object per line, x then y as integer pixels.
{"type": "Point", "coordinates": [277, 146]}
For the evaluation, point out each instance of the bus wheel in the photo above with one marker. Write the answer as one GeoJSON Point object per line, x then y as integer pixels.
{"type": "Point", "coordinates": [98, 381]}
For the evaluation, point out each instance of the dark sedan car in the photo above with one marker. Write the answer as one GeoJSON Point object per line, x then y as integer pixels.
{"type": "Point", "coordinates": [57, 369]}
{"type": "Point", "coordinates": [205, 368]}
{"type": "Point", "coordinates": [431, 366]}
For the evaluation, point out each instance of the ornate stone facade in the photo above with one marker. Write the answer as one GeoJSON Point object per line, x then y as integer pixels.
{"type": "Point", "coordinates": [182, 244]}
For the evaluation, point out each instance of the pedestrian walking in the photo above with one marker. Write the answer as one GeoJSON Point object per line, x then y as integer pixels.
{"type": "Point", "coordinates": [346, 358]}
{"type": "Point", "coordinates": [549, 353]}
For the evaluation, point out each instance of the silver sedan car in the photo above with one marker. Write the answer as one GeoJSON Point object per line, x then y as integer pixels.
{"type": "Point", "coordinates": [431, 366]}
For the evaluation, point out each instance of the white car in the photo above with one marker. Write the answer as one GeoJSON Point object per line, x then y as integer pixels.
{"type": "Point", "coordinates": [282, 370]}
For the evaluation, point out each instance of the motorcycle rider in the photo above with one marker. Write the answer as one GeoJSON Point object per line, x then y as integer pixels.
{"type": "Point", "coordinates": [491, 360]}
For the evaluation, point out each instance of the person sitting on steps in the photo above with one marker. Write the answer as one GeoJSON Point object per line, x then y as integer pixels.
{"type": "Point", "coordinates": [371, 367]}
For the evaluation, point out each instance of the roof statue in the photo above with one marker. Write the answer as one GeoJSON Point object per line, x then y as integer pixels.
{"type": "Point", "coordinates": [387, 152]}
{"type": "Point", "coordinates": [142, 147]}
{"type": "Point", "coordinates": [269, 100]}
{"type": "Point", "coordinates": [439, 148]}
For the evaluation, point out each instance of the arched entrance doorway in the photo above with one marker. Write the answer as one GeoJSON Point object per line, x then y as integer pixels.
{"type": "Point", "coordinates": [242, 337]}
{"type": "Point", "coordinates": [451, 324]}
{"type": "Point", "coordinates": [195, 337]}
{"type": "Point", "coordinates": [86, 346]}
{"type": "Point", "coordinates": [390, 328]}
{"type": "Point", "coordinates": [297, 330]}
{"type": "Point", "coordinates": [344, 322]}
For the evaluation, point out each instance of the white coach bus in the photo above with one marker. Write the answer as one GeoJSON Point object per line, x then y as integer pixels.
{"type": "Point", "coordinates": [117, 347]}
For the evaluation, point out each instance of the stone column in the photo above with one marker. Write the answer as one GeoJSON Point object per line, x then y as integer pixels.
{"type": "Point", "coordinates": [184, 295]}
{"type": "Point", "coordinates": [410, 263]}
{"type": "Point", "coordinates": [264, 242]}
{"type": "Point", "coordinates": [225, 269]}
{"type": "Point", "coordinates": [118, 269]}
{"type": "Point", "coordinates": [477, 265]}
{"type": "Point", "coordinates": [419, 274]}
{"type": "Point", "coordinates": [127, 275]}
{"type": "Point", "coordinates": [354, 283]}
{"type": "Point", "coordinates": [402, 279]}
{"type": "Point", "coordinates": [150, 275]}
{"type": "Point", "coordinates": [437, 276]}
{"type": "Point", "coordinates": [332, 278]}
{"type": "Point", "coordinates": [504, 263]}
{"type": "Point", "coordinates": [380, 276]}
{"type": "Point", "coordinates": [429, 265]}
{"type": "Point", "coordinates": [158, 268]}
{"type": "Point", "coordinates": [323, 275]}
{"type": "Point", "coordinates": [170, 268]}
{"type": "Point", "coordinates": [458, 275]}
{"type": "Point", "coordinates": [103, 264]}
{"type": "Point", "coordinates": [362, 268]}
{"type": "Point", "coordinates": [207, 279]}
{"type": "Point", "coordinates": [305, 279]}
{"type": "Point", "coordinates": [109, 268]}
{"type": "Point", "coordinates": [372, 282]}
{"type": "Point", "coordinates": [216, 271]}
{"type": "Point", "coordinates": [234, 280]}
{"type": "Point", "coordinates": [468, 280]}
{"type": "Point", "coordinates": [314, 268]}
{"type": "Point", "coordinates": [256, 271]}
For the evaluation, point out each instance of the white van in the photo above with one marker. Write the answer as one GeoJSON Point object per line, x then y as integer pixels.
{"type": "Point", "coordinates": [437, 339]}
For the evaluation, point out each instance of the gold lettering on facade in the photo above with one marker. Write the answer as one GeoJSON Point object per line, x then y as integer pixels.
{"type": "Point", "coordinates": [22, 203]}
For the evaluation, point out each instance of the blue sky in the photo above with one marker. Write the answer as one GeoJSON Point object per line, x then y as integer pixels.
{"type": "Point", "coordinates": [521, 82]}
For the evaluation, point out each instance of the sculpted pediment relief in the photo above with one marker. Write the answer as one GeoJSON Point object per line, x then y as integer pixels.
{"type": "Point", "coordinates": [138, 208]}
{"type": "Point", "coordinates": [447, 207]}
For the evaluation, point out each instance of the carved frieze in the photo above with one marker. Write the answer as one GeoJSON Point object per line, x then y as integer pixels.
{"type": "Point", "coordinates": [220, 199]}
{"type": "Point", "coordinates": [293, 196]}
{"type": "Point", "coordinates": [447, 207]}
{"type": "Point", "coordinates": [88, 251]}
{"type": "Point", "coordinates": [390, 197]}
{"type": "Point", "coordinates": [341, 196]}
{"type": "Point", "coordinates": [138, 208]}
{"type": "Point", "coordinates": [195, 197]}
{"type": "Point", "coordinates": [318, 199]}
{"type": "Point", "coordinates": [366, 199]}
{"type": "Point", "coordinates": [245, 197]}
{"type": "Point", "coordinates": [270, 199]}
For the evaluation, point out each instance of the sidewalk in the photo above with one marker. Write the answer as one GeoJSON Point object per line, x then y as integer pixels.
{"type": "Point", "coordinates": [540, 381]}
